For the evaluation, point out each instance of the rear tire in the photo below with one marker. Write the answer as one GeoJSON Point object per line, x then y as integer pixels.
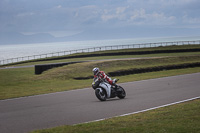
{"type": "Point", "coordinates": [101, 95]}
{"type": "Point", "coordinates": [122, 93]}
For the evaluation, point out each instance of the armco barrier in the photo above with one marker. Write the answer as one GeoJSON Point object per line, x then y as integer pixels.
{"type": "Point", "coordinates": [125, 53]}
{"type": "Point", "coordinates": [87, 50]}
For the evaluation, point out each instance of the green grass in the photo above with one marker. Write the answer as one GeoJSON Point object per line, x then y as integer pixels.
{"type": "Point", "coordinates": [179, 118]}
{"type": "Point", "coordinates": [84, 69]}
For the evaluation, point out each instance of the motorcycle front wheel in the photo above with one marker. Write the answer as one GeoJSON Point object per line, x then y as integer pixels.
{"type": "Point", "coordinates": [122, 93]}
{"type": "Point", "coordinates": [101, 94]}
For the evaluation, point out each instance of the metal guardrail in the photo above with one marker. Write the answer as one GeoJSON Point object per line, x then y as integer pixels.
{"type": "Point", "coordinates": [94, 49]}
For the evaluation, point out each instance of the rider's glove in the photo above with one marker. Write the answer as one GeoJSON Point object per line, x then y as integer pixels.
{"type": "Point", "coordinates": [115, 81]}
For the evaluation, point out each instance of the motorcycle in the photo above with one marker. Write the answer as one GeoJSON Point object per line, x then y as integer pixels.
{"type": "Point", "coordinates": [104, 90]}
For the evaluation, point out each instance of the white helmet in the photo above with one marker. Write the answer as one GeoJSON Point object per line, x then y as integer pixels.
{"type": "Point", "coordinates": [95, 70]}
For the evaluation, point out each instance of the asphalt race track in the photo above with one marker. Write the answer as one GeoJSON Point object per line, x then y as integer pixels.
{"type": "Point", "coordinates": [71, 107]}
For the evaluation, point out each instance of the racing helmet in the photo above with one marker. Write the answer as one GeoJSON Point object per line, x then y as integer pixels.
{"type": "Point", "coordinates": [95, 70]}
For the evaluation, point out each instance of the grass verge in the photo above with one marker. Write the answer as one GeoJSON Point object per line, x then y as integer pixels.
{"type": "Point", "coordinates": [13, 85]}
{"type": "Point", "coordinates": [179, 118]}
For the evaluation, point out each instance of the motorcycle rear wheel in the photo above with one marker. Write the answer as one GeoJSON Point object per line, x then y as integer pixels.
{"type": "Point", "coordinates": [100, 95]}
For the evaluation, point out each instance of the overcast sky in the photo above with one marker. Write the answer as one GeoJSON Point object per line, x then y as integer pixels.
{"type": "Point", "coordinates": [69, 17]}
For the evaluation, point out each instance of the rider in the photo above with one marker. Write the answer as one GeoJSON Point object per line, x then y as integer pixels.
{"type": "Point", "coordinates": [101, 75]}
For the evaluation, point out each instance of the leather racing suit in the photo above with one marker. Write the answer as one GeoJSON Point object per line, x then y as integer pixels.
{"type": "Point", "coordinates": [102, 75]}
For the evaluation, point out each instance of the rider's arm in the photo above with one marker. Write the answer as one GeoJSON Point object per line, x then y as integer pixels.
{"type": "Point", "coordinates": [104, 75]}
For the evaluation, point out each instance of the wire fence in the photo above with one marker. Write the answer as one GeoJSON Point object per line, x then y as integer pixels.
{"type": "Point", "coordinates": [94, 49]}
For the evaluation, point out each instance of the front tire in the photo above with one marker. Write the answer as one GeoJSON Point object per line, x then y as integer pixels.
{"type": "Point", "coordinates": [101, 95]}
{"type": "Point", "coordinates": [122, 93]}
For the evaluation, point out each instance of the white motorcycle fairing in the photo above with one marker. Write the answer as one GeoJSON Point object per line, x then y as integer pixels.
{"type": "Point", "coordinates": [107, 88]}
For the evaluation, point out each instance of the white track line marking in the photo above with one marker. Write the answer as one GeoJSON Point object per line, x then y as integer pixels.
{"type": "Point", "coordinates": [144, 110]}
